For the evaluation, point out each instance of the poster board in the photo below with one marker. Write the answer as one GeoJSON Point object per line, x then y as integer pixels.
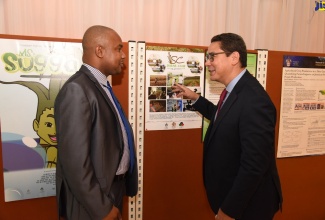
{"type": "Point", "coordinates": [302, 121]}
{"type": "Point", "coordinates": [45, 207]}
{"type": "Point", "coordinates": [166, 66]}
{"type": "Point", "coordinates": [31, 75]}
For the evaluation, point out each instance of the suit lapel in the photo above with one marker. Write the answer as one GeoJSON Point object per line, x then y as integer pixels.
{"type": "Point", "coordinates": [223, 111]}
{"type": "Point", "coordinates": [227, 105]}
{"type": "Point", "coordinates": [98, 86]}
{"type": "Point", "coordinates": [91, 77]}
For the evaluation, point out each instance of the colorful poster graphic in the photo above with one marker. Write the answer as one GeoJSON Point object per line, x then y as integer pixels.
{"type": "Point", "coordinates": [31, 74]}
{"type": "Point", "coordinates": [166, 66]}
{"type": "Point", "coordinates": [302, 116]}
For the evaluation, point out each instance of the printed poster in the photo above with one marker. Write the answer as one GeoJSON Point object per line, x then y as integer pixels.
{"type": "Point", "coordinates": [166, 66]}
{"type": "Point", "coordinates": [302, 116]}
{"type": "Point", "coordinates": [31, 74]}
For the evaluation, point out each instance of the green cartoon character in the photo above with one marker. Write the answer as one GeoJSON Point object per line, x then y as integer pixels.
{"type": "Point", "coordinates": [44, 124]}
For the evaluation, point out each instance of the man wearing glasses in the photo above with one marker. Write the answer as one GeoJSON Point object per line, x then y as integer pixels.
{"type": "Point", "coordinates": [239, 168]}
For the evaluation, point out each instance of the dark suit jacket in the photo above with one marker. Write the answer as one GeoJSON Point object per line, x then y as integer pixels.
{"type": "Point", "coordinates": [239, 168]}
{"type": "Point", "coordinates": [90, 146]}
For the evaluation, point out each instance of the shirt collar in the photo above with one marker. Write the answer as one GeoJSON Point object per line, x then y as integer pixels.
{"type": "Point", "coordinates": [101, 78]}
{"type": "Point", "coordinates": [233, 82]}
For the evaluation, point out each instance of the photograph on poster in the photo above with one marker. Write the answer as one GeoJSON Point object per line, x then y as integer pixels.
{"type": "Point", "coordinates": [187, 105]}
{"type": "Point", "coordinates": [156, 92]}
{"type": "Point", "coordinates": [173, 78]}
{"type": "Point", "coordinates": [157, 106]}
{"type": "Point", "coordinates": [157, 80]}
{"type": "Point", "coordinates": [191, 81]}
{"type": "Point", "coordinates": [194, 65]}
{"type": "Point", "coordinates": [174, 105]}
{"type": "Point", "coordinates": [155, 63]}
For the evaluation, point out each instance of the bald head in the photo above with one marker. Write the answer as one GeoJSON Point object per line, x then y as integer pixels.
{"type": "Point", "coordinates": [102, 49]}
{"type": "Point", "coordinates": [94, 36]}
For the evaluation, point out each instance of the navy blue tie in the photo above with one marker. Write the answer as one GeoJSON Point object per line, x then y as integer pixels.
{"type": "Point", "coordinates": [126, 125]}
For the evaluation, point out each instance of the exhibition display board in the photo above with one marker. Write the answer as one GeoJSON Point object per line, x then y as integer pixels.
{"type": "Point", "coordinates": [170, 160]}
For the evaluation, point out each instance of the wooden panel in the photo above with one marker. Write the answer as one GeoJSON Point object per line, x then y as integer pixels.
{"type": "Point", "coordinates": [173, 183]}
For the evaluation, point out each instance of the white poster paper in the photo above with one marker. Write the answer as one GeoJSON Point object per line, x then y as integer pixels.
{"type": "Point", "coordinates": [31, 74]}
{"type": "Point", "coordinates": [166, 66]}
{"type": "Point", "coordinates": [302, 116]}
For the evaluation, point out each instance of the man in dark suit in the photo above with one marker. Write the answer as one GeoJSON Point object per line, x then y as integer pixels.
{"type": "Point", "coordinates": [239, 168]}
{"type": "Point", "coordinates": [94, 148]}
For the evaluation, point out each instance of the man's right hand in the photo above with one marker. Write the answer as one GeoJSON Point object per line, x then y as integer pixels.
{"type": "Point", "coordinates": [181, 90]}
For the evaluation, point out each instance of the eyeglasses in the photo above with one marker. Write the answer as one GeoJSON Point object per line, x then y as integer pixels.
{"type": "Point", "coordinates": [210, 56]}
